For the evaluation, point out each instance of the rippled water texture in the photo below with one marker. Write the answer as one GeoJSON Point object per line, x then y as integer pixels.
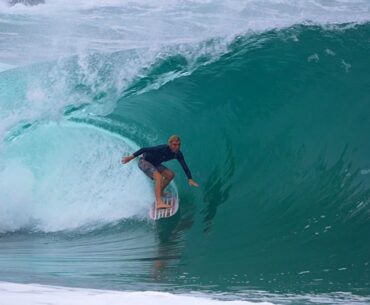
{"type": "Point", "coordinates": [271, 100]}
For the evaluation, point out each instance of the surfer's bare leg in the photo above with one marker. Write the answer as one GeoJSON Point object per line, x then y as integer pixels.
{"type": "Point", "coordinates": [158, 188]}
{"type": "Point", "coordinates": [168, 176]}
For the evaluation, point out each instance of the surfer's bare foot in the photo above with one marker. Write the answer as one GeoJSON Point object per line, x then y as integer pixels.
{"type": "Point", "coordinates": [162, 205]}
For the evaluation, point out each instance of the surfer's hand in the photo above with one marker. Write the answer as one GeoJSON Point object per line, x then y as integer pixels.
{"type": "Point", "coordinates": [127, 159]}
{"type": "Point", "coordinates": [193, 183]}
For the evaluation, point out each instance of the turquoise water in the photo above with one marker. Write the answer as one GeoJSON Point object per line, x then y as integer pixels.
{"type": "Point", "coordinates": [274, 126]}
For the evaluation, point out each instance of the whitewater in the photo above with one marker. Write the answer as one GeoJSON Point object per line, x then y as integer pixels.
{"type": "Point", "coordinates": [271, 100]}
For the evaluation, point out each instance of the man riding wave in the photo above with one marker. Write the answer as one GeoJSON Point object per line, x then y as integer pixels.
{"type": "Point", "coordinates": [151, 164]}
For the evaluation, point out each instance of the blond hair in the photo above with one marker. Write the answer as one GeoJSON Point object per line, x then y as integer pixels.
{"type": "Point", "coordinates": [173, 138]}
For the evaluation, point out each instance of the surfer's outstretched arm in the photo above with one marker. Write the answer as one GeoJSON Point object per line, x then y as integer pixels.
{"type": "Point", "coordinates": [140, 152]}
{"type": "Point", "coordinates": [186, 169]}
{"type": "Point", "coordinates": [192, 183]}
{"type": "Point", "coordinates": [127, 159]}
{"type": "Point", "coordinates": [135, 154]}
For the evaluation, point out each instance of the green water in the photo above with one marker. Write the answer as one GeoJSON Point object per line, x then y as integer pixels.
{"type": "Point", "coordinates": [276, 134]}
{"type": "Point", "coordinates": [275, 131]}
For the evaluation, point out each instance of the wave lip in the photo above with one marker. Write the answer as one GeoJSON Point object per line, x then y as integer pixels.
{"type": "Point", "coordinates": [59, 28]}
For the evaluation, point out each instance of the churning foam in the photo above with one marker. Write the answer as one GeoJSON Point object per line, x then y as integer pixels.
{"type": "Point", "coordinates": [62, 177]}
{"type": "Point", "coordinates": [15, 294]}
{"type": "Point", "coordinates": [61, 27]}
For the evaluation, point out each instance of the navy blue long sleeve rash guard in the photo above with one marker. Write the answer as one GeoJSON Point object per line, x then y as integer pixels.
{"type": "Point", "coordinates": [162, 153]}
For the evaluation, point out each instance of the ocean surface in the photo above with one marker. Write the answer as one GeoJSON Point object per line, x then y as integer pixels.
{"type": "Point", "coordinates": [272, 103]}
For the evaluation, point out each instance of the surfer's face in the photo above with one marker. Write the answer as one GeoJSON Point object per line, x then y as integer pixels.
{"type": "Point", "coordinates": [175, 146]}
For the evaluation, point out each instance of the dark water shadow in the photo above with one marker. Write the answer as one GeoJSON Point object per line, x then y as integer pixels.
{"type": "Point", "coordinates": [218, 186]}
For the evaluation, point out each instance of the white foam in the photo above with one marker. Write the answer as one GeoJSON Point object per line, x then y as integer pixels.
{"type": "Point", "coordinates": [61, 27]}
{"type": "Point", "coordinates": [32, 294]}
{"type": "Point", "coordinates": [4, 67]}
{"type": "Point", "coordinates": [63, 177]}
{"type": "Point", "coordinates": [365, 171]}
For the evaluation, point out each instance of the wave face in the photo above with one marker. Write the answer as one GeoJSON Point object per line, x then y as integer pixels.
{"type": "Point", "coordinates": [272, 104]}
{"type": "Point", "coordinates": [275, 131]}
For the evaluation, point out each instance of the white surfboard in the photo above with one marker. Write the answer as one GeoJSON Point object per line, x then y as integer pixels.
{"type": "Point", "coordinates": [169, 199]}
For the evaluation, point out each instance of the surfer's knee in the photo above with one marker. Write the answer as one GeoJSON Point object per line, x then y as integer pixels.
{"type": "Point", "coordinates": [171, 175]}
{"type": "Point", "coordinates": [168, 174]}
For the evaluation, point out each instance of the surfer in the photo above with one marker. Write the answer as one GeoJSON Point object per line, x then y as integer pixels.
{"type": "Point", "coordinates": [151, 164]}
